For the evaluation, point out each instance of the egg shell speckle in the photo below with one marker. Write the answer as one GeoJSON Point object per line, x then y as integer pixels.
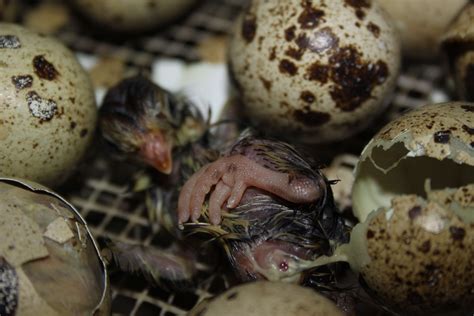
{"type": "Point", "coordinates": [421, 255]}
{"type": "Point", "coordinates": [319, 70]}
{"type": "Point", "coordinates": [133, 15]}
{"type": "Point", "coordinates": [437, 129]}
{"type": "Point", "coordinates": [421, 23]}
{"type": "Point", "coordinates": [47, 107]}
{"type": "Point", "coordinates": [268, 299]}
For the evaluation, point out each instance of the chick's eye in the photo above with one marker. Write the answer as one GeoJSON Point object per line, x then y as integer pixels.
{"type": "Point", "coordinates": [283, 266]}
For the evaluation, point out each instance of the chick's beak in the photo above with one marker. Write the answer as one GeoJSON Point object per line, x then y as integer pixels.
{"type": "Point", "coordinates": [156, 152]}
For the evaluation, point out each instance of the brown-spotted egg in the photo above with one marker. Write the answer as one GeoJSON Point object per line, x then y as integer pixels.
{"type": "Point", "coordinates": [414, 196]}
{"type": "Point", "coordinates": [47, 107]}
{"type": "Point", "coordinates": [314, 71]}
{"type": "Point", "coordinates": [458, 45]}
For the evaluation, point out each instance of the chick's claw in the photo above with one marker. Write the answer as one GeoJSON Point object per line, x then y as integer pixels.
{"type": "Point", "coordinates": [231, 176]}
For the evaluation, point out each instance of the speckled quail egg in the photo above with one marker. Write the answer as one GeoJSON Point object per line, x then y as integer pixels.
{"type": "Point", "coordinates": [421, 23]}
{"type": "Point", "coordinates": [47, 107]}
{"type": "Point", "coordinates": [133, 15]}
{"type": "Point", "coordinates": [267, 299]}
{"type": "Point", "coordinates": [434, 142]}
{"type": "Point", "coordinates": [314, 71]}
{"type": "Point", "coordinates": [415, 256]}
{"type": "Point", "coordinates": [414, 197]}
{"type": "Point", "coordinates": [414, 194]}
{"type": "Point", "coordinates": [49, 262]}
{"type": "Point", "coordinates": [458, 44]}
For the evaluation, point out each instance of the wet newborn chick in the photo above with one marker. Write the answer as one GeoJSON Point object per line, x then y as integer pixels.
{"type": "Point", "coordinates": [148, 125]}
{"type": "Point", "coordinates": [277, 210]}
{"type": "Point", "coordinates": [144, 122]}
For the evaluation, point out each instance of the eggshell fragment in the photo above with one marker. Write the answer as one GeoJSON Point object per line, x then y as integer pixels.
{"type": "Point", "coordinates": [268, 299]}
{"type": "Point", "coordinates": [314, 71]}
{"type": "Point", "coordinates": [59, 231]}
{"type": "Point", "coordinates": [47, 107]}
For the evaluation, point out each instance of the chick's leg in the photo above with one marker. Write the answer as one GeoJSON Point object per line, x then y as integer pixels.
{"type": "Point", "coordinates": [238, 173]}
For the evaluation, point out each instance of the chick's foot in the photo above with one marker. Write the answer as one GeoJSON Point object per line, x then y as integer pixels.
{"type": "Point", "coordinates": [229, 177]}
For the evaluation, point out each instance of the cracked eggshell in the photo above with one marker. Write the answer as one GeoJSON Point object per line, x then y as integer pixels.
{"type": "Point", "coordinates": [317, 70]}
{"type": "Point", "coordinates": [458, 46]}
{"type": "Point", "coordinates": [51, 265]}
{"type": "Point", "coordinates": [414, 196]}
{"type": "Point", "coordinates": [47, 107]}
{"type": "Point", "coordinates": [421, 23]}
{"type": "Point", "coordinates": [267, 299]}
{"type": "Point", "coordinates": [434, 144]}
{"type": "Point", "coordinates": [415, 256]}
{"type": "Point", "coordinates": [133, 15]}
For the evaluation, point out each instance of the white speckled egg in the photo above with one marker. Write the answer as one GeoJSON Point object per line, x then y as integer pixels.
{"type": "Point", "coordinates": [268, 299]}
{"type": "Point", "coordinates": [133, 15]}
{"type": "Point", "coordinates": [414, 194]}
{"type": "Point", "coordinates": [47, 107]}
{"type": "Point", "coordinates": [458, 44]}
{"type": "Point", "coordinates": [314, 71]}
{"type": "Point", "coordinates": [421, 23]}
{"type": "Point", "coordinates": [414, 197]}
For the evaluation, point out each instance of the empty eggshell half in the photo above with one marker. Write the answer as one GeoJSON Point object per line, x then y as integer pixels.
{"type": "Point", "coordinates": [49, 262]}
{"type": "Point", "coordinates": [267, 299]}
{"type": "Point", "coordinates": [47, 107]}
{"type": "Point", "coordinates": [434, 143]}
{"type": "Point", "coordinates": [314, 71]}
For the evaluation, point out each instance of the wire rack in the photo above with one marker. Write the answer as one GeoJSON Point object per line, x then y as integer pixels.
{"type": "Point", "coordinates": [99, 190]}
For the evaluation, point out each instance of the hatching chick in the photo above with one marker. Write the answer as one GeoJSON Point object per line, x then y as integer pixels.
{"type": "Point", "coordinates": [277, 208]}
{"type": "Point", "coordinates": [144, 122]}
{"type": "Point", "coordinates": [279, 216]}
